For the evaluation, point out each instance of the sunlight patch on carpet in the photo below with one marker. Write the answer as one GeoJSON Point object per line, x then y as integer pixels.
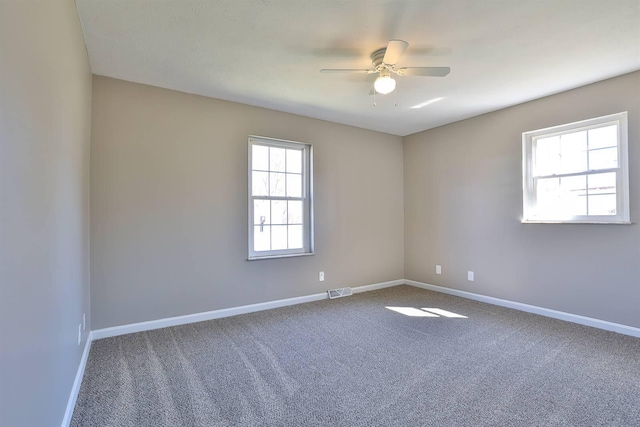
{"type": "Point", "coordinates": [426, 312]}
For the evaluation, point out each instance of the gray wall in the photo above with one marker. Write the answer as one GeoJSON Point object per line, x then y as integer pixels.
{"type": "Point", "coordinates": [45, 113]}
{"type": "Point", "coordinates": [169, 205]}
{"type": "Point", "coordinates": [463, 205]}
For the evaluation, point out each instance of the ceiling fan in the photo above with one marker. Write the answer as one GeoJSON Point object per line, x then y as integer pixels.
{"type": "Point", "coordinates": [384, 61]}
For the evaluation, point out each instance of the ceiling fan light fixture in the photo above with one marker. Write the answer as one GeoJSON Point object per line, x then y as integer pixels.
{"type": "Point", "coordinates": [384, 84]}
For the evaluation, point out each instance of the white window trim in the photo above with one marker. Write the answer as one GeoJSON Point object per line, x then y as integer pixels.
{"type": "Point", "coordinates": [622, 183]}
{"type": "Point", "coordinates": [307, 165]}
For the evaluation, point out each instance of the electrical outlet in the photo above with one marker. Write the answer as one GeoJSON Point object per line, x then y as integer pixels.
{"type": "Point", "coordinates": [84, 321]}
{"type": "Point", "coordinates": [438, 269]}
{"type": "Point", "coordinates": [79, 334]}
{"type": "Point", "coordinates": [470, 276]}
{"type": "Point", "coordinates": [321, 276]}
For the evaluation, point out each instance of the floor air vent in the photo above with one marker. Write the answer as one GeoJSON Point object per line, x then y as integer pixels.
{"type": "Point", "coordinates": [337, 293]}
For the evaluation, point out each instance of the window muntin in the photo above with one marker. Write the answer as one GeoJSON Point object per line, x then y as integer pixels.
{"type": "Point", "coordinates": [577, 172]}
{"type": "Point", "coordinates": [280, 198]}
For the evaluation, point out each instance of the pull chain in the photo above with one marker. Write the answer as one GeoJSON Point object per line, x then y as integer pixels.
{"type": "Point", "coordinates": [395, 97]}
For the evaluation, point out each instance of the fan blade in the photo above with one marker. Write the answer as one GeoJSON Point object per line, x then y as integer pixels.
{"type": "Point", "coordinates": [423, 71]}
{"type": "Point", "coordinates": [395, 49]}
{"type": "Point", "coordinates": [347, 70]}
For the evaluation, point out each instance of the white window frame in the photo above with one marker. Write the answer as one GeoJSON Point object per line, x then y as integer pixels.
{"type": "Point", "coordinates": [530, 214]}
{"type": "Point", "coordinates": [307, 198]}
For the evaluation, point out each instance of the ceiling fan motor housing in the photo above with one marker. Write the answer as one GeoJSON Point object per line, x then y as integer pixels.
{"type": "Point", "coordinates": [377, 57]}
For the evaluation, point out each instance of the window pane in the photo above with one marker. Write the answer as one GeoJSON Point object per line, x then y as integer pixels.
{"type": "Point", "coordinates": [260, 183]}
{"type": "Point", "coordinates": [278, 211]}
{"type": "Point", "coordinates": [602, 183]}
{"type": "Point", "coordinates": [277, 184]}
{"type": "Point", "coordinates": [603, 137]}
{"type": "Point", "coordinates": [561, 154]}
{"type": "Point", "coordinates": [573, 152]}
{"type": "Point", "coordinates": [548, 195]}
{"type": "Point", "coordinates": [279, 237]}
{"type": "Point", "coordinates": [295, 212]}
{"type": "Point", "coordinates": [547, 160]}
{"type": "Point", "coordinates": [295, 237]}
{"type": "Point", "coordinates": [573, 192]}
{"type": "Point", "coordinates": [562, 197]}
{"type": "Point", "coordinates": [260, 157]}
{"type": "Point", "coordinates": [294, 185]}
{"type": "Point", "coordinates": [603, 159]}
{"type": "Point", "coordinates": [261, 238]}
{"type": "Point", "coordinates": [261, 209]}
{"type": "Point", "coordinates": [277, 159]}
{"type": "Point", "coordinates": [294, 161]}
{"type": "Point", "coordinates": [604, 204]}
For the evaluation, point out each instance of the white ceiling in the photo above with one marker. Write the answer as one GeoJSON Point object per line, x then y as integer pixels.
{"type": "Point", "coordinates": [268, 53]}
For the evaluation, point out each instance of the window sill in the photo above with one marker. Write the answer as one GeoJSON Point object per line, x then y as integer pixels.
{"type": "Point", "coordinates": [540, 221]}
{"type": "Point", "coordinates": [258, 258]}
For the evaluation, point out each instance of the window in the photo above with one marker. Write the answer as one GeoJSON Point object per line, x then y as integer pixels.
{"type": "Point", "coordinates": [577, 173]}
{"type": "Point", "coordinates": [280, 198]}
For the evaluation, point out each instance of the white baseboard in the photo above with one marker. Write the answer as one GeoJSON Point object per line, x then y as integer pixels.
{"type": "Point", "coordinates": [73, 396]}
{"type": "Point", "coordinates": [225, 312]}
{"type": "Point", "coordinates": [201, 317]}
{"type": "Point", "coordinates": [367, 288]}
{"type": "Point", "coordinates": [574, 318]}
{"type": "Point", "coordinates": [234, 311]}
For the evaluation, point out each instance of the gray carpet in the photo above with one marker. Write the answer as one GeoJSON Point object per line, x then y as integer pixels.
{"type": "Point", "coordinates": [352, 362]}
